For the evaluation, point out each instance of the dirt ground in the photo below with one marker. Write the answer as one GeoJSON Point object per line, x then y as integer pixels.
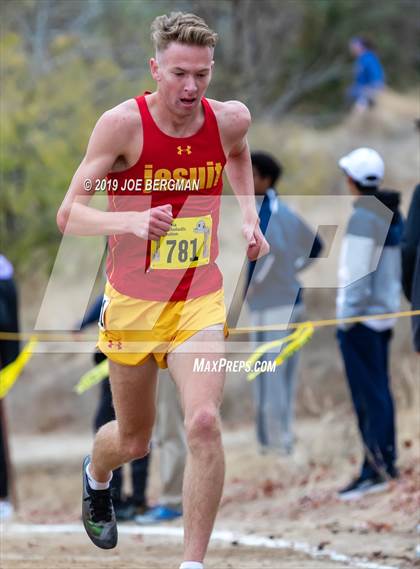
{"type": "Point", "coordinates": [76, 552]}
{"type": "Point", "coordinates": [287, 498]}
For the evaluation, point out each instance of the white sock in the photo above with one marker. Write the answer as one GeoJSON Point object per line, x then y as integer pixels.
{"type": "Point", "coordinates": [191, 565]}
{"type": "Point", "coordinates": [94, 484]}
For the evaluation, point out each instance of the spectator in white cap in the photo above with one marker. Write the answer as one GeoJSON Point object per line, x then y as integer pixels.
{"type": "Point", "coordinates": [364, 168]}
{"type": "Point", "coordinates": [369, 285]}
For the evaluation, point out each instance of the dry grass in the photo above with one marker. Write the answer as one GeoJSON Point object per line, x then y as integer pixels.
{"type": "Point", "coordinates": [310, 155]}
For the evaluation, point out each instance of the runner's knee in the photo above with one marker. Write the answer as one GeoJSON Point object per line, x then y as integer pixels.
{"type": "Point", "coordinates": [203, 427]}
{"type": "Point", "coordinates": [134, 447]}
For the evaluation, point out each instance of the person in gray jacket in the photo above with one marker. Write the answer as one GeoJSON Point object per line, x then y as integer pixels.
{"type": "Point", "coordinates": [370, 285]}
{"type": "Point", "coordinates": [274, 296]}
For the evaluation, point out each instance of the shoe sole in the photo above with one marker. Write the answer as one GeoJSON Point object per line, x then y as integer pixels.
{"type": "Point", "coordinates": [358, 494]}
{"type": "Point", "coordinates": [95, 541]}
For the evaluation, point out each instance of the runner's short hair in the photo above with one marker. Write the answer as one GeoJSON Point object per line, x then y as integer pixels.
{"type": "Point", "coordinates": [183, 28]}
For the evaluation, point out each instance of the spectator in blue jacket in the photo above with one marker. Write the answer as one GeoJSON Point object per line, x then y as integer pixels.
{"type": "Point", "coordinates": [369, 77]}
{"type": "Point", "coordinates": [274, 296]}
{"type": "Point", "coordinates": [370, 285]}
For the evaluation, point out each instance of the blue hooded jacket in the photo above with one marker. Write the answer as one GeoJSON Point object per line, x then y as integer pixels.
{"type": "Point", "coordinates": [368, 70]}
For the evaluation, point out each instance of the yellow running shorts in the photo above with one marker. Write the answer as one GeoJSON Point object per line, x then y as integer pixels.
{"type": "Point", "coordinates": [132, 330]}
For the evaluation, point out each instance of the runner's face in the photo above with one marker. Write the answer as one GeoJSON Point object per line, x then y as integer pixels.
{"type": "Point", "coordinates": [183, 73]}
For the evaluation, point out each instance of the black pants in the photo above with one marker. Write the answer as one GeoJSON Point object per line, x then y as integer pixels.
{"type": "Point", "coordinates": [365, 354]}
{"type": "Point", "coordinates": [4, 479]}
{"type": "Point", "coordinates": [9, 350]}
{"type": "Point", "coordinates": [139, 467]}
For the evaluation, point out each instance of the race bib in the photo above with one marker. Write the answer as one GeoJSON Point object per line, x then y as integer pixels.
{"type": "Point", "coordinates": [186, 245]}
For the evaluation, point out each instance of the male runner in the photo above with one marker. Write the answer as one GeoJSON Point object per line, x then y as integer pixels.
{"type": "Point", "coordinates": [164, 289]}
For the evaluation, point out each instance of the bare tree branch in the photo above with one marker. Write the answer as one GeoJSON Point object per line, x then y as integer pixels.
{"type": "Point", "coordinates": [301, 85]}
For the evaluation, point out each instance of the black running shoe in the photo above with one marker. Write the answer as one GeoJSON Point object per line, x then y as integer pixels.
{"type": "Point", "coordinates": [98, 514]}
{"type": "Point", "coordinates": [362, 487]}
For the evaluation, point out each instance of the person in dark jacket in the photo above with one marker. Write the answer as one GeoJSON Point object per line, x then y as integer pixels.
{"type": "Point", "coordinates": [411, 263]}
{"type": "Point", "coordinates": [9, 351]}
{"type": "Point", "coordinates": [370, 285]}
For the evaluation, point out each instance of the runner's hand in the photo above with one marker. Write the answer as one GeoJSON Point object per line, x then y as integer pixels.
{"type": "Point", "coordinates": [153, 223]}
{"type": "Point", "coordinates": [257, 244]}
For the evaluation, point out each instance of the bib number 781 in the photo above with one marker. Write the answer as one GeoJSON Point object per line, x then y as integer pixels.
{"type": "Point", "coordinates": [186, 245]}
{"type": "Point", "coordinates": [182, 248]}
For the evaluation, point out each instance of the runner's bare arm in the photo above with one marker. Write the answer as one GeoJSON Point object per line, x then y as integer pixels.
{"type": "Point", "coordinates": [76, 217]}
{"type": "Point", "coordinates": [235, 121]}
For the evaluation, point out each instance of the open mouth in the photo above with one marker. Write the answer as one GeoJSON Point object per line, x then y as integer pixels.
{"type": "Point", "coordinates": [188, 101]}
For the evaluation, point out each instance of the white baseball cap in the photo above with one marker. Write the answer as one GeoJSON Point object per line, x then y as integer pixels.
{"type": "Point", "coordinates": [364, 165]}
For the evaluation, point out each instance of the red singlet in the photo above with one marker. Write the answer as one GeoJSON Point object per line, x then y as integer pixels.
{"type": "Point", "coordinates": [186, 173]}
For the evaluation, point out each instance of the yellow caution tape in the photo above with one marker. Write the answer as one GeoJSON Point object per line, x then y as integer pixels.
{"type": "Point", "coordinates": [288, 346]}
{"type": "Point", "coordinates": [92, 377]}
{"type": "Point", "coordinates": [323, 323]}
{"type": "Point", "coordinates": [303, 335]}
{"type": "Point", "coordinates": [66, 337]}
{"type": "Point", "coordinates": [10, 373]}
